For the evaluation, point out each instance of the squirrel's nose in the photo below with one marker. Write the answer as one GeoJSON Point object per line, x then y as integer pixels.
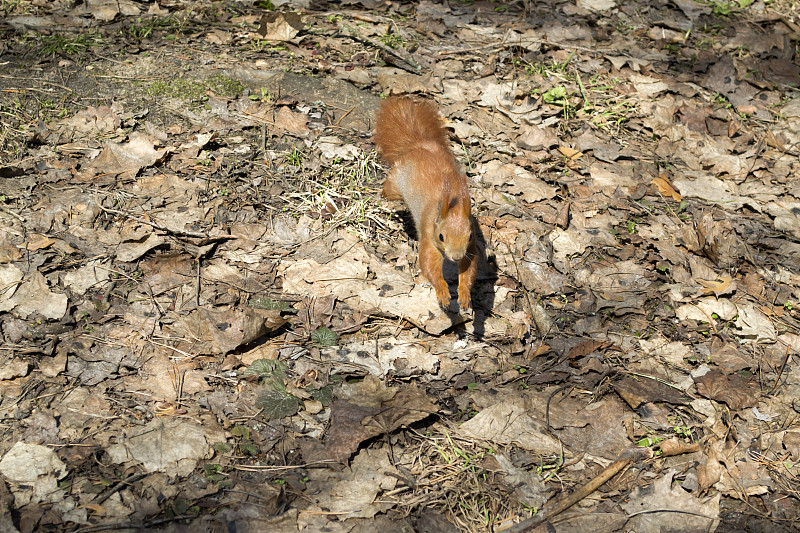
{"type": "Point", "coordinates": [455, 256]}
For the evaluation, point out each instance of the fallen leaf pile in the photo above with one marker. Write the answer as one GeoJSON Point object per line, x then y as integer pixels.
{"type": "Point", "coordinates": [211, 319]}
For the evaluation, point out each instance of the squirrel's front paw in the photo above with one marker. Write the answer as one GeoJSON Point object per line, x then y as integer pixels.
{"type": "Point", "coordinates": [464, 299]}
{"type": "Point", "coordinates": [443, 295]}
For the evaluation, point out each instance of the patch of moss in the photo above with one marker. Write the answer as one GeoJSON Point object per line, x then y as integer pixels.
{"type": "Point", "coordinates": [188, 89]}
{"type": "Point", "coordinates": [180, 88]}
{"type": "Point", "coordinates": [225, 86]}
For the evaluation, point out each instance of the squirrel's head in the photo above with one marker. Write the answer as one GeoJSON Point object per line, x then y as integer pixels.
{"type": "Point", "coordinates": [453, 227]}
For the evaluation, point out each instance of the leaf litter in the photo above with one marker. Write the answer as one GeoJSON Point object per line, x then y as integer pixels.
{"type": "Point", "coordinates": [210, 318]}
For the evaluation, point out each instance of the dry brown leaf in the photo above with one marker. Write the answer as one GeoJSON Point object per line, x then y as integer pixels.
{"type": "Point", "coordinates": [674, 446]}
{"type": "Point", "coordinates": [276, 26]}
{"type": "Point", "coordinates": [562, 217]}
{"type": "Point", "coordinates": [352, 424]}
{"type": "Point", "coordinates": [346, 430]}
{"type": "Point", "coordinates": [569, 153]}
{"type": "Point", "coordinates": [537, 138]}
{"type": "Point", "coordinates": [410, 405]}
{"type": "Point", "coordinates": [711, 466]}
{"type": "Point", "coordinates": [638, 390]}
{"type": "Point", "coordinates": [773, 141]}
{"type": "Point", "coordinates": [666, 502]}
{"type": "Point", "coordinates": [37, 242]}
{"type": "Point", "coordinates": [99, 509]}
{"type": "Point", "coordinates": [665, 187]}
{"type": "Point", "coordinates": [218, 332]}
{"type": "Point", "coordinates": [587, 347]}
{"type": "Point", "coordinates": [717, 286]}
{"type": "Point", "coordinates": [540, 350]}
{"type": "Point", "coordinates": [734, 390]}
{"type": "Point", "coordinates": [293, 122]}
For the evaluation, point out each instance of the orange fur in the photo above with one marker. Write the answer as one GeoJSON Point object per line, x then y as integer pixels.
{"type": "Point", "coordinates": [410, 137]}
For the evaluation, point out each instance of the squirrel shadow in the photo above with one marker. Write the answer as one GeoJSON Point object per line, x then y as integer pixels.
{"type": "Point", "coordinates": [483, 293]}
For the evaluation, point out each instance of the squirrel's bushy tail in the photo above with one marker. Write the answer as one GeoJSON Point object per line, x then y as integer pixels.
{"type": "Point", "coordinates": [402, 124]}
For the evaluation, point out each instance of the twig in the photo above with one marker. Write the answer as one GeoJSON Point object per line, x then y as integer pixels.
{"type": "Point", "coordinates": [520, 43]}
{"type": "Point", "coordinates": [624, 459]}
{"type": "Point", "coordinates": [183, 233]}
{"type": "Point", "coordinates": [343, 116]}
{"type": "Point", "coordinates": [119, 485]}
{"type": "Point", "coordinates": [780, 372]}
{"type": "Point", "coordinates": [276, 468]}
{"type": "Point", "coordinates": [197, 293]}
{"type": "Point", "coordinates": [11, 213]}
{"type": "Point", "coordinates": [353, 33]}
{"type": "Point", "coordinates": [145, 525]}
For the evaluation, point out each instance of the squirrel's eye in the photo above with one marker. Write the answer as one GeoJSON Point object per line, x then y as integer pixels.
{"type": "Point", "coordinates": [441, 237]}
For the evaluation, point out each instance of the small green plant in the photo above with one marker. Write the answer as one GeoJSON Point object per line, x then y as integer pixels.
{"type": "Point", "coordinates": [324, 336]}
{"type": "Point", "coordinates": [392, 40]}
{"type": "Point", "coordinates": [723, 9]}
{"type": "Point", "coordinates": [144, 28]}
{"type": "Point", "coordinates": [625, 27]}
{"type": "Point", "coordinates": [267, 370]}
{"type": "Point", "coordinates": [261, 45]}
{"type": "Point", "coordinates": [274, 400]}
{"type": "Point", "coordinates": [265, 4]}
{"type": "Point", "coordinates": [214, 472]}
{"type": "Point", "coordinates": [223, 448]}
{"type": "Point", "coordinates": [649, 441]}
{"type": "Point", "coordinates": [8, 7]}
{"type": "Point", "coordinates": [295, 158]}
{"type": "Point", "coordinates": [556, 96]}
{"type": "Point", "coordinates": [263, 95]}
{"type": "Point", "coordinates": [77, 45]}
{"type": "Point", "coordinates": [243, 442]}
{"type": "Point", "coordinates": [788, 306]}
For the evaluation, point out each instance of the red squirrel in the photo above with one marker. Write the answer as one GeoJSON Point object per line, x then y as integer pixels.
{"type": "Point", "coordinates": [410, 137]}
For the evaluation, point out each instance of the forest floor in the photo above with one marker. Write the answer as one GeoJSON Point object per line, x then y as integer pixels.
{"type": "Point", "coordinates": [212, 321]}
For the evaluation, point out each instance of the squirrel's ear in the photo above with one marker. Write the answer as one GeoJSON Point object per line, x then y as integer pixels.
{"type": "Point", "coordinates": [446, 205]}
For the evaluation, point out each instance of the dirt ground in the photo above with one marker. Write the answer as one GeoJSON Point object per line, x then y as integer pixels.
{"type": "Point", "coordinates": [212, 321]}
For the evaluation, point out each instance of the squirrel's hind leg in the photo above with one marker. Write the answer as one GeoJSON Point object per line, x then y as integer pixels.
{"type": "Point", "coordinates": [390, 189]}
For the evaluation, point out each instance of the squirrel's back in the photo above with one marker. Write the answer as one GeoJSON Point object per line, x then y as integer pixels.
{"type": "Point", "coordinates": [402, 125]}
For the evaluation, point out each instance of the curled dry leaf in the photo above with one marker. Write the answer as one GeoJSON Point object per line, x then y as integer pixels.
{"type": "Point", "coordinates": [723, 284]}
{"type": "Point", "coordinates": [276, 26]}
{"type": "Point", "coordinates": [664, 187]}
